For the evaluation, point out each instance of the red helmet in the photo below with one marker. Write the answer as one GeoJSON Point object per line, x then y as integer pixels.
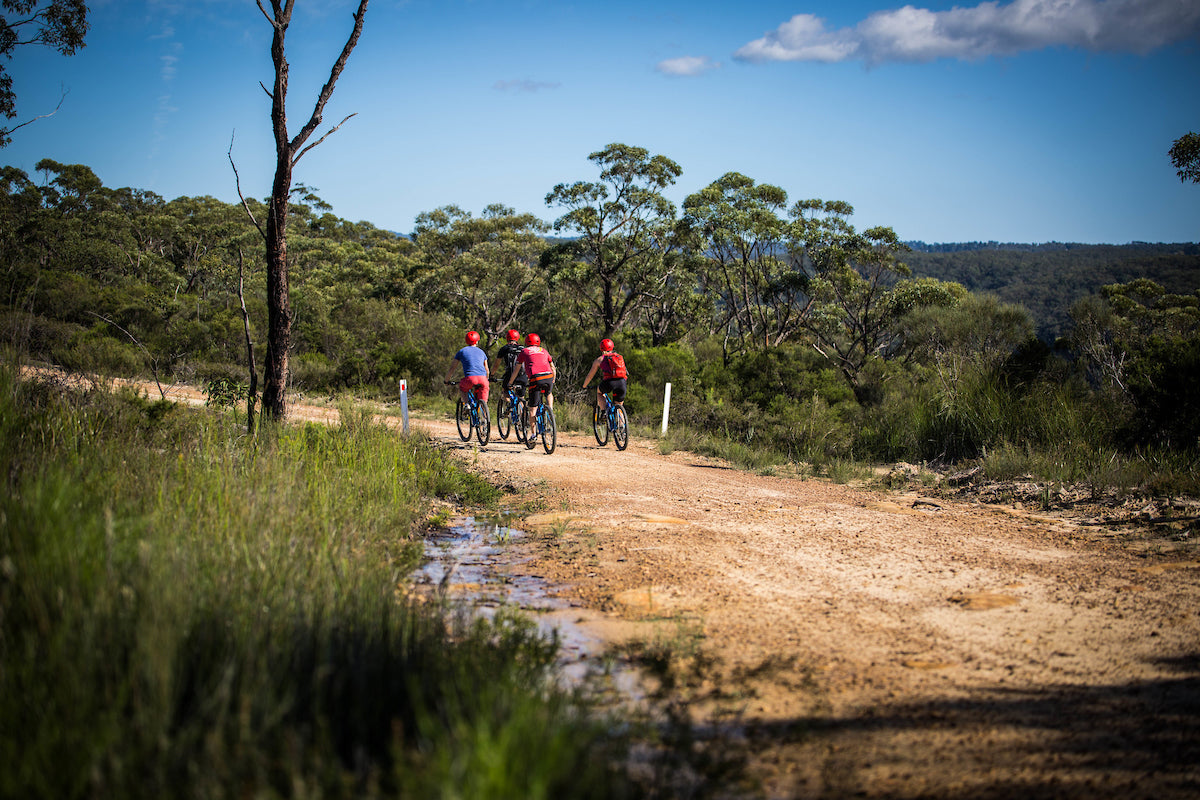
{"type": "Point", "coordinates": [513, 335]}
{"type": "Point", "coordinates": [607, 345]}
{"type": "Point", "coordinates": [472, 337]}
{"type": "Point", "coordinates": [532, 340]}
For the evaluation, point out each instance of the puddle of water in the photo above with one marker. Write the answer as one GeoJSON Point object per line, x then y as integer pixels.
{"type": "Point", "coordinates": [463, 562]}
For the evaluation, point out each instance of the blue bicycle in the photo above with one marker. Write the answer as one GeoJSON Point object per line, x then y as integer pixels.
{"type": "Point", "coordinates": [539, 423]}
{"type": "Point", "coordinates": [610, 419]}
{"type": "Point", "coordinates": [472, 415]}
{"type": "Point", "coordinates": [510, 410]}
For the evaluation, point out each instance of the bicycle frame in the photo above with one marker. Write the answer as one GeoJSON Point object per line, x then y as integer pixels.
{"type": "Point", "coordinates": [610, 410]}
{"type": "Point", "coordinates": [614, 422]}
{"type": "Point", "coordinates": [479, 422]}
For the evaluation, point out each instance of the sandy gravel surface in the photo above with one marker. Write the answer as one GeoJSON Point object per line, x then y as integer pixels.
{"type": "Point", "coordinates": [880, 644]}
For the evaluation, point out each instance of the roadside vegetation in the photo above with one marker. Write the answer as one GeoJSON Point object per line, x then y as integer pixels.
{"type": "Point", "coordinates": [192, 612]}
{"type": "Point", "coordinates": [791, 339]}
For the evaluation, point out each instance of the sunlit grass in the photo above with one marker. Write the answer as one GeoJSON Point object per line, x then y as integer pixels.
{"type": "Point", "coordinates": [191, 612]}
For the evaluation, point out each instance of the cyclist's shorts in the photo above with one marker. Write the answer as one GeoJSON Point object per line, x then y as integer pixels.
{"type": "Point", "coordinates": [479, 381]}
{"type": "Point", "coordinates": [518, 383]}
{"type": "Point", "coordinates": [537, 387]}
{"type": "Point", "coordinates": [614, 386]}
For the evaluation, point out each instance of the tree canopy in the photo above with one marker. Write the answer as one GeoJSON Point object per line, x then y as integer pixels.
{"type": "Point", "coordinates": [59, 24]}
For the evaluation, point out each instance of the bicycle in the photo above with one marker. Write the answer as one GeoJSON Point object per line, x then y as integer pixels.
{"type": "Point", "coordinates": [543, 425]}
{"type": "Point", "coordinates": [610, 419]}
{"type": "Point", "coordinates": [468, 417]}
{"type": "Point", "coordinates": [510, 410]}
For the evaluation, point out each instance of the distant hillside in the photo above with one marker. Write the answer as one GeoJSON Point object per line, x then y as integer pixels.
{"type": "Point", "coordinates": [1047, 278]}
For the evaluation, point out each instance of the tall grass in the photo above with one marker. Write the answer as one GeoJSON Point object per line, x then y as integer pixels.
{"type": "Point", "coordinates": [189, 612]}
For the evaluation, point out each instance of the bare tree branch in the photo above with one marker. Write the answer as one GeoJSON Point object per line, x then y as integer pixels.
{"type": "Point", "coordinates": [6, 132]}
{"type": "Point", "coordinates": [132, 338]}
{"type": "Point", "coordinates": [252, 394]}
{"type": "Point", "coordinates": [323, 138]}
{"type": "Point", "coordinates": [237, 179]}
{"type": "Point", "coordinates": [334, 74]}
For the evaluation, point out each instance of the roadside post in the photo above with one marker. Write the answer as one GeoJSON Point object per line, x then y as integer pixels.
{"type": "Point", "coordinates": [404, 404]}
{"type": "Point", "coordinates": [666, 408]}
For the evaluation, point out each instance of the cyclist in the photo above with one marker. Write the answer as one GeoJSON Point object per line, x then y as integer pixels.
{"type": "Point", "coordinates": [612, 375]}
{"type": "Point", "coordinates": [474, 366]}
{"type": "Point", "coordinates": [507, 355]}
{"type": "Point", "coordinates": [535, 362]}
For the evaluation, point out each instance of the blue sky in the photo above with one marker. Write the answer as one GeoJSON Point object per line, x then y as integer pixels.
{"type": "Point", "coordinates": [1021, 120]}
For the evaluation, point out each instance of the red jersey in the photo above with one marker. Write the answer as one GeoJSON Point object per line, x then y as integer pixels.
{"type": "Point", "coordinates": [537, 362]}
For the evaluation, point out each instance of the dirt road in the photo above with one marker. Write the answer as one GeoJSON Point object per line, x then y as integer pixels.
{"type": "Point", "coordinates": [879, 645]}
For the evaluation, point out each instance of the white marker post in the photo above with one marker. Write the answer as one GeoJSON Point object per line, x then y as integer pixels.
{"type": "Point", "coordinates": [404, 403]}
{"type": "Point", "coordinates": [666, 408]}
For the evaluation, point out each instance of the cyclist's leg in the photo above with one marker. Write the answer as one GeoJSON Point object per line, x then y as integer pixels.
{"type": "Point", "coordinates": [477, 384]}
{"type": "Point", "coordinates": [535, 396]}
{"type": "Point", "coordinates": [618, 389]}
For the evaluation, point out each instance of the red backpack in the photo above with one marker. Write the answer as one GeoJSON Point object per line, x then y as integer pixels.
{"type": "Point", "coordinates": [614, 366]}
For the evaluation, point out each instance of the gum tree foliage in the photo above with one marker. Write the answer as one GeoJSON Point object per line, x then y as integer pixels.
{"type": "Point", "coordinates": [860, 292]}
{"type": "Point", "coordinates": [677, 308]}
{"type": "Point", "coordinates": [763, 295]}
{"type": "Point", "coordinates": [483, 269]}
{"type": "Point", "coordinates": [625, 230]}
{"type": "Point", "coordinates": [288, 151]}
{"type": "Point", "coordinates": [1185, 155]}
{"type": "Point", "coordinates": [59, 24]}
{"type": "Point", "coordinates": [1142, 345]}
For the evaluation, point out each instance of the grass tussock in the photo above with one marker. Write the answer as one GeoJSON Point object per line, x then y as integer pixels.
{"type": "Point", "coordinates": [191, 612]}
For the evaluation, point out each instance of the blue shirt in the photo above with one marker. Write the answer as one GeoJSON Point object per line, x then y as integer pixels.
{"type": "Point", "coordinates": [473, 360]}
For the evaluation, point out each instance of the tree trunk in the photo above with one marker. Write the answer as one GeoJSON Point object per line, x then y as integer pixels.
{"type": "Point", "coordinates": [287, 153]}
{"type": "Point", "coordinates": [279, 304]}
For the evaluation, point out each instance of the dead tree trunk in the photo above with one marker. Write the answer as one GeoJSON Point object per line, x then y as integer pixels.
{"type": "Point", "coordinates": [287, 153]}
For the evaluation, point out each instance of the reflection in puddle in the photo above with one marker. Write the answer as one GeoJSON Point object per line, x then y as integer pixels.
{"type": "Point", "coordinates": [468, 562]}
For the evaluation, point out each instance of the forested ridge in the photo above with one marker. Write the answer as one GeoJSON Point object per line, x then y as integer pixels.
{"type": "Point", "coordinates": [782, 328]}
{"type": "Point", "coordinates": [1046, 279]}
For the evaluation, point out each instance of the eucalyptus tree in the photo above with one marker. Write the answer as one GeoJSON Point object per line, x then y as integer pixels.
{"type": "Point", "coordinates": [859, 291]}
{"type": "Point", "coordinates": [288, 151]}
{"type": "Point", "coordinates": [1185, 156]}
{"type": "Point", "coordinates": [622, 231]}
{"type": "Point", "coordinates": [678, 307]}
{"type": "Point", "coordinates": [60, 24]}
{"type": "Point", "coordinates": [763, 293]}
{"type": "Point", "coordinates": [1142, 346]}
{"type": "Point", "coordinates": [484, 269]}
{"type": "Point", "coordinates": [107, 234]}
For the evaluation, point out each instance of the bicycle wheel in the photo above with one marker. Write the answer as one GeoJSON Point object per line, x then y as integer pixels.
{"type": "Point", "coordinates": [483, 425]}
{"type": "Point", "coordinates": [530, 429]}
{"type": "Point", "coordinates": [462, 418]}
{"type": "Point", "coordinates": [600, 425]}
{"type": "Point", "coordinates": [518, 414]}
{"type": "Point", "coordinates": [503, 416]}
{"type": "Point", "coordinates": [621, 431]}
{"type": "Point", "coordinates": [549, 431]}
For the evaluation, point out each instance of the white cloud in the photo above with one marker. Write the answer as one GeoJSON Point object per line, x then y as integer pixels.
{"type": "Point", "coordinates": [687, 65]}
{"type": "Point", "coordinates": [988, 29]}
{"type": "Point", "coordinates": [525, 85]}
{"type": "Point", "coordinates": [167, 73]}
